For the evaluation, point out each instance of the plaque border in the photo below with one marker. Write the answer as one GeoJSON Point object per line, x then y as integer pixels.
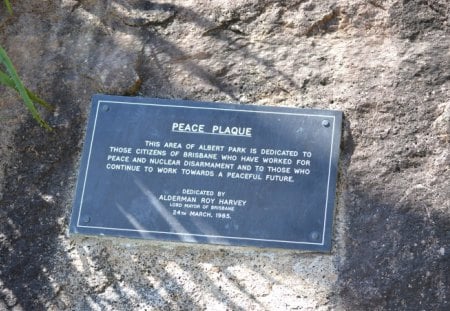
{"type": "Point", "coordinates": [185, 104]}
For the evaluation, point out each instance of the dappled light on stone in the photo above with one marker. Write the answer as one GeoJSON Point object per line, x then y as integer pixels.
{"type": "Point", "coordinates": [384, 64]}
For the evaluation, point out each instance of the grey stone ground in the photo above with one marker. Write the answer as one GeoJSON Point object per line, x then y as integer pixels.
{"type": "Point", "coordinates": [386, 64]}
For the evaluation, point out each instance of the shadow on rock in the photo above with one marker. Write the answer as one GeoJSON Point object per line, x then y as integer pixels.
{"type": "Point", "coordinates": [395, 257]}
{"type": "Point", "coordinates": [32, 209]}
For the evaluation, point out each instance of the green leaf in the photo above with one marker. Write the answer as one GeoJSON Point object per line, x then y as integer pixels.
{"type": "Point", "coordinates": [8, 6]}
{"type": "Point", "coordinates": [7, 81]}
{"type": "Point", "coordinates": [39, 100]}
{"type": "Point", "coordinates": [20, 88]}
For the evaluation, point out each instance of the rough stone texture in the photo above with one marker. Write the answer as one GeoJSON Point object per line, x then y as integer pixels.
{"type": "Point", "coordinates": [386, 64]}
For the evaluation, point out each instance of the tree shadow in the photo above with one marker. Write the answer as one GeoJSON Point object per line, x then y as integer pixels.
{"type": "Point", "coordinates": [157, 47]}
{"type": "Point", "coordinates": [397, 235]}
{"type": "Point", "coordinates": [395, 256]}
{"type": "Point", "coordinates": [39, 184]}
{"type": "Point", "coordinates": [32, 208]}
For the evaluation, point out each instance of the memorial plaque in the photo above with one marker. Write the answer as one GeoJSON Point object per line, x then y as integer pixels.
{"type": "Point", "coordinates": [208, 173]}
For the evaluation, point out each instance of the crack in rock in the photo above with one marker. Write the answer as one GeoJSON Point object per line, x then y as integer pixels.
{"type": "Point", "coordinates": [143, 13]}
{"type": "Point", "coordinates": [327, 24]}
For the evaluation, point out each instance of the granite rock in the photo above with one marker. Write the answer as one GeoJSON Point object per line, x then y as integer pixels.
{"type": "Point", "coordinates": [384, 63]}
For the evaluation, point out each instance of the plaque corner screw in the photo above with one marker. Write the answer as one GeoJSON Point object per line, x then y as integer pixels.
{"type": "Point", "coordinates": [86, 219]}
{"type": "Point", "coordinates": [325, 123]}
{"type": "Point", "coordinates": [105, 108]}
{"type": "Point", "coordinates": [315, 235]}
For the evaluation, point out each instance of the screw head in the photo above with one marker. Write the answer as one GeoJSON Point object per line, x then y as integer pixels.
{"type": "Point", "coordinates": [325, 123]}
{"type": "Point", "coordinates": [86, 219]}
{"type": "Point", "coordinates": [105, 108]}
{"type": "Point", "coordinates": [315, 235]}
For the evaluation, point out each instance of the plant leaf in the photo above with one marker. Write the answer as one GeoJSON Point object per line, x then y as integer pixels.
{"type": "Point", "coordinates": [7, 81]}
{"type": "Point", "coordinates": [8, 7]}
{"type": "Point", "coordinates": [18, 85]}
{"type": "Point", "coordinates": [39, 100]}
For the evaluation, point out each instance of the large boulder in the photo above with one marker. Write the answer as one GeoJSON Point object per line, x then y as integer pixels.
{"type": "Point", "coordinates": [384, 63]}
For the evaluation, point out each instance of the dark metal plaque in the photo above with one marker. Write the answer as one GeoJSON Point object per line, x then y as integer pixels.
{"type": "Point", "coordinates": [208, 173]}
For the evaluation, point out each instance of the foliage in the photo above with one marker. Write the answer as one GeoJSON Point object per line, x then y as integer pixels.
{"type": "Point", "coordinates": [8, 6]}
{"type": "Point", "coordinates": [11, 79]}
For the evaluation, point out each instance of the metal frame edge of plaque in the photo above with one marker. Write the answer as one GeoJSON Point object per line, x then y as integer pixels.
{"type": "Point", "coordinates": [214, 173]}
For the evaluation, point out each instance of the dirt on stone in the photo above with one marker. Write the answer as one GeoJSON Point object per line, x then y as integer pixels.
{"type": "Point", "coordinates": [384, 63]}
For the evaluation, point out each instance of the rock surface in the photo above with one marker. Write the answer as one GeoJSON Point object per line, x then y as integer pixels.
{"type": "Point", "coordinates": [385, 63]}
